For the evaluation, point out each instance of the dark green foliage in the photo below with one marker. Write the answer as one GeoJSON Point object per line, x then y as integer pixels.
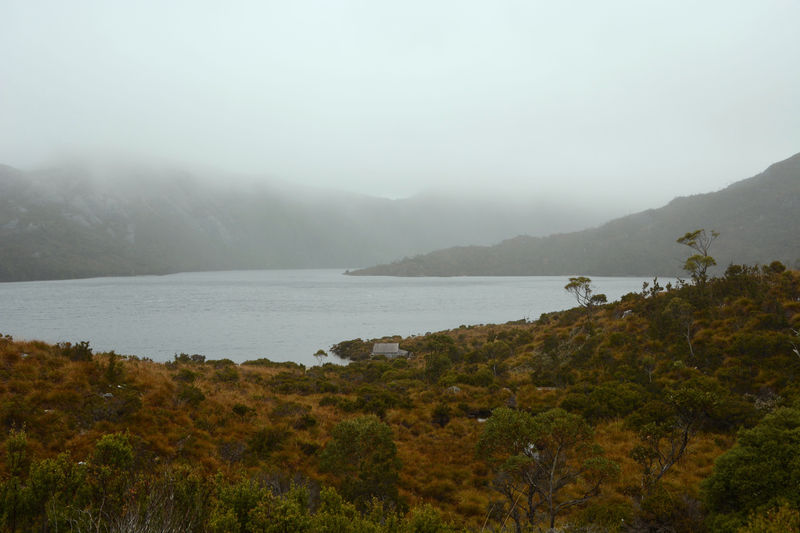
{"type": "Point", "coordinates": [76, 352]}
{"type": "Point", "coordinates": [761, 471]}
{"type": "Point", "coordinates": [110, 494]}
{"type": "Point", "coordinates": [190, 394]}
{"type": "Point", "coordinates": [363, 456]}
{"type": "Point", "coordinates": [667, 510]}
{"type": "Point", "coordinates": [288, 365]}
{"type": "Point", "coordinates": [371, 400]}
{"type": "Point", "coordinates": [535, 457]}
{"type": "Point", "coordinates": [291, 382]}
{"type": "Point", "coordinates": [185, 358]}
{"type": "Point", "coordinates": [496, 349]}
{"type": "Point", "coordinates": [354, 350]}
{"type": "Point", "coordinates": [267, 440]}
{"type": "Point", "coordinates": [441, 415]}
{"type": "Point", "coordinates": [185, 375]}
{"type": "Point", "coordinates": [480, 377]}
{"type": "Point", "coordinates": [442, 344]}
{"type": "Point", "coordinates": [305, 421]}
{"type": "Point", "coordinates": [288, 409]}
{"type": "Point", "coordinates": [779, 519]}
{"type": "Point", "coordinates": [242, 411]}
{"type": "Point", "coordinates": [114, 370]}
{"type": "Point", "coordinates": [665, 427]}
{"type": "Point", "coordinates": [605, 401]}
{"type": "Point", "coordinates": [226, 374]}
{"type": "Point", "coordinates": [109, 472]}
{"type": "Point", "coordinates": [436, 364]}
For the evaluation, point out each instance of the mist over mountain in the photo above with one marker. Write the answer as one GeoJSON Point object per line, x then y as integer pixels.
{"type": "Point", "coordinates": [756, 219]}
{"type": "Point", "coordinates": [82, 220]}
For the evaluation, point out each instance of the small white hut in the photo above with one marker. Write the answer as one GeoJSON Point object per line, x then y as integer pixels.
{"type": "Point", "coordinates": [388, 349]}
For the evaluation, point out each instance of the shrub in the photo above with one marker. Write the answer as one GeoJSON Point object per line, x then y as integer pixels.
{"type": "Point", "coordinates": [227, 374]}
{"type": "Point", "coordinates": [190, 394]}
{"type": "Point", "coordinates": [185, 375]}
{"type": "Point", "coordinates": [762, 470]}
{"type": "Point", "coordinates": [76, 352]}
{"type": "Point", "coordinates": [362, 454]}
{"type": "Point", "coordinates": [267, 440]}
{"type": "Point", "coordinates": [441, 415]}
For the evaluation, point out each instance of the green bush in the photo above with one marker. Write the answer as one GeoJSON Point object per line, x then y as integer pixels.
{"type": "Point", "coordinates": [762, 470]}
{"type": "Point", "coordinates": [267, 440]}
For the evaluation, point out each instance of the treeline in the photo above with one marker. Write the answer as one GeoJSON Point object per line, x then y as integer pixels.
{"type": "Point", "coordinates": [674, 409]}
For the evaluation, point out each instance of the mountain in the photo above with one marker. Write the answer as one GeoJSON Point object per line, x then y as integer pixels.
{"type": "Point", "coordinates": [757, 219]}
{"type": "Point", "coordinates": [87, 219]}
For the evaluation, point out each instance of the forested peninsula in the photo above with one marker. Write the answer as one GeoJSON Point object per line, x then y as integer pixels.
{"type": "Point", "coordinates": [756, 217]}
{"type": "Point", "coordinates": [676, 408]}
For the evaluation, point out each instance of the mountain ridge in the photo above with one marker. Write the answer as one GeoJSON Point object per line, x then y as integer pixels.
{"type": "Point", "coordinates": [75, 220]}
{"type": "Point", "coordinates": [753, 217]}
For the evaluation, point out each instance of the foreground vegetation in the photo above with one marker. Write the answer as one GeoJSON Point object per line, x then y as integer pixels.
{"type": "Point", "coordinates": [673, 409]}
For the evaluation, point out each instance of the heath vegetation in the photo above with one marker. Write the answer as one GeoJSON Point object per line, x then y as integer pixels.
{"type": "Point", "coordinates": [675, 408]}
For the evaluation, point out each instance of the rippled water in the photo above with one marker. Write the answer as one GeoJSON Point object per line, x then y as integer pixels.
{"type": "Point", "coordinates": [284, 315]}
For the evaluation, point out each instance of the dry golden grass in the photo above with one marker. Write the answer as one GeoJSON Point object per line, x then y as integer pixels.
{"type": "Point", "coordinates": [63, 405]}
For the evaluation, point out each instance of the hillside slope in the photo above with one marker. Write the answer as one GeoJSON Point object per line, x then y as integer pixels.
{"type": "Point", "coordinates": [80, 220]}
{"type": "Point", "coordinates": [756, 217]}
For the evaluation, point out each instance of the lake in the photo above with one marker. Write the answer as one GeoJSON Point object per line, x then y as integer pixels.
{"type": "Point", "coordinates": [283, 315]}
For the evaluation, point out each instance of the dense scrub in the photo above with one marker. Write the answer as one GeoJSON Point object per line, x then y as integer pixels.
{"type": "Point", "coordinates": [645, 393]}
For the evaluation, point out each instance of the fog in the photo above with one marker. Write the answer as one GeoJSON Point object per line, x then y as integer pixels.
{"type": "Point", "coordinates": [622, 103]}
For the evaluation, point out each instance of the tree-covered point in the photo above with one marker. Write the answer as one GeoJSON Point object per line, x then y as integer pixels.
{"type": "Point", "coordinates": [672, 409]}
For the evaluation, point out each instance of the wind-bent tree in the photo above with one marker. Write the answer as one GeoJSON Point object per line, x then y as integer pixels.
{"type": "Point", "coordinates": [697, 264]}
{"type": "Point", "coordinates": [536, 457]}
{"type": "Point", "coordinates": [581, 288]}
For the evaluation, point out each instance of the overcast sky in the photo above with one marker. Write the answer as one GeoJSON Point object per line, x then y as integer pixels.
{"type": "Point", "coordinates": [619, 101]}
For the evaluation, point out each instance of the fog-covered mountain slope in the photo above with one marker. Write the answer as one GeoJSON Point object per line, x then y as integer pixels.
{"type": "Point", "coordinates": [83, 220]}
{"type": "Point", "coordinates": [757, 218]}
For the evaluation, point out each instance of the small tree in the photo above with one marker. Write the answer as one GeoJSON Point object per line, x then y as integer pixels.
{"type": "Point", "coordinates": [110, 474]}
{"type": "Point", "coordinates": [320, 355]}
{"type": "Point", "coordinates": [697, 264]}
{"type": "Point", "coordinates": [581, 288]}
{"type": "Point", "coordinates": [666, 428]}
{"type": "Point", "coordinates": [538, 456]}
{"type": "Point", "coordinates": [363, 456]}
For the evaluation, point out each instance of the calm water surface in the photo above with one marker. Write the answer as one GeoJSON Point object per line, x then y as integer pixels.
{"type": "Point", "coordinates": [284, 315]}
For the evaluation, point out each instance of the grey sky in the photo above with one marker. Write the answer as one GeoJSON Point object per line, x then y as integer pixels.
{"type": "Point", "coordinates": [631, 102]}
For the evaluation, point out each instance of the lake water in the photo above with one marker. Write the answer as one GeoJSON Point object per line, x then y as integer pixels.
{"type": "Point", "coordinates": [284, 315]}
